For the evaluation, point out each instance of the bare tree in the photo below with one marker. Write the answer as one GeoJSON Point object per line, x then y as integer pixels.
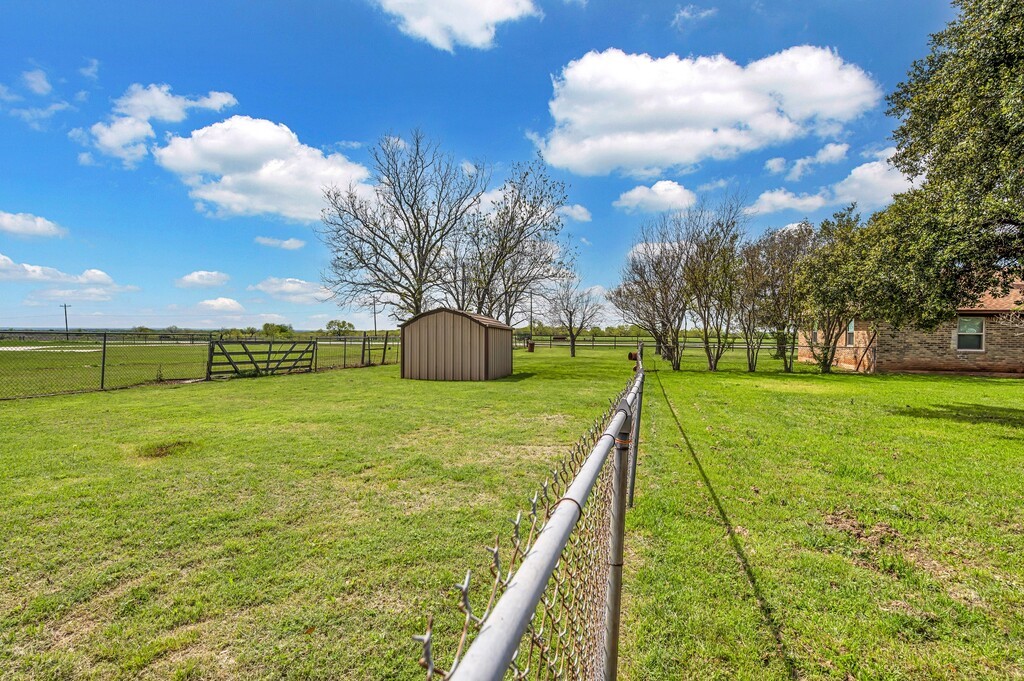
{"type": "Point", "coordinates": [751, 299]}
{"type": "Point", "coordinates": [652, 294]}
{"type": "Point", "coordinates": [712, 236]}
{"type": "Point", "coordinates": [510, 250]}
{"type": "Point", "coordinates": [573, 307]}
{"type": "Point", "coordinates": [783, 249]}
{"type": "Point", "coordinates": [389, 245]}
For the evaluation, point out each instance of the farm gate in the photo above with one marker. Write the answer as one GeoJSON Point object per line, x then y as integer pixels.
{"type": "Point", "coordinates": [229, 359]}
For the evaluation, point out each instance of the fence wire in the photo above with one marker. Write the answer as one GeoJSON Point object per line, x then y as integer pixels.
{"type": "Point", "coordinates": [565, 636]}
{"type": "Point", "coordinates": [34, 363]}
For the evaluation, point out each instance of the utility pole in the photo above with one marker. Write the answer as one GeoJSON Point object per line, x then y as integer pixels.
{"type": "Point", "coordinates": [531, 315]}
{"type": "Point", "coordinates": [67, 334]}
{"type": "Point", "coordinates": [374, 315]}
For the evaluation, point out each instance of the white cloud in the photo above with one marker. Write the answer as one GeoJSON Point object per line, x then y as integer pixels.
{"type": "Point", "coordinates": [662, 195]}
{"type": "Point", "coordinates": [692, 14]}
{"type": "Point", "coordinates": [91, 69]}
{"type": "Point", "coordinates": [221, 305]}
{"type": "Point", "coordinates": [641, 114]}
{"type": "Point", "coordinates": [721, 183]}
{"type": "Point", "coordinates": [14, 271]}
{"type": "Point", "coordinates": [293, 290]}
{"type": "Point", "coordinates": [37, 82]}
{"type": "Point", "coordinates": [90, 285]}
{"type": "Point", "coordinates": [576, 213]}
{"type": "Point", "coordinates": [86, 159]}
{"type": "Point", "coordinates": [287, 244]}
{"type": "Point", "coordinates": [156, 102]}
{"type": "Point", "coordinates": [6, 95]}
{"type": "Point", "coordinates": [26, 224]}
{"type": "Point", "coordinates": [36, 117]}
{"type": "Point", "coordinates": [252, 166]}
{"type": "Point", "coordinates": [126, 131]}
{"type": "Point", "coordinates": [124, 138]}
{"type": "Point", "coordinates": [830, 153]}
{"type": "Point", "coordinates": [782, 199]}
{"type": "Point", "coordinates": [87, 294]}
{"type": "Point", "coordinates": [446, 23]}
{"type": "Point", "coordinates": [202, 279]}
{"type": "Point", "coordinates": [775, 165]}
{"type": "Point", "coordinates": [871, 185]}
{"type": "Point", "coordinates": [585, 241]}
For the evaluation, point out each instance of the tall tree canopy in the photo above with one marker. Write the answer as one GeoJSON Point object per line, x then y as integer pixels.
{"type": "Point", "coordinates": [961, 134]}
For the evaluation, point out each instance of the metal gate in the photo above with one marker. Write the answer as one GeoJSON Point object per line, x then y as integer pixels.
{"type": "Point", "coordinates": [228, 359]}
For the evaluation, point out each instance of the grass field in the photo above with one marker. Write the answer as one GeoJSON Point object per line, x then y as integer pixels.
{"type": "Point", "coordinates": [297, 526]}
{"type": "Point", "coordinates": [800, 525]}
{"type": "Point", "coordinates": [843, 526]}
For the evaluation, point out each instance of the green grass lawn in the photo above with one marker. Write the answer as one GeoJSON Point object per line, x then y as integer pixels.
{"type": "Point", "coordinates": [294, 526]}
{"type": "Point", "coordinates": [812, 526]}
{"type": "Point", "coordinates": [843, 526]}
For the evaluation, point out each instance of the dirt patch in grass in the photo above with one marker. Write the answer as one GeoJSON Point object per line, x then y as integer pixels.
{"type": "Point", "coordinates": [158, 450]}
{"type": "Point", "coordinates": [878, 535]}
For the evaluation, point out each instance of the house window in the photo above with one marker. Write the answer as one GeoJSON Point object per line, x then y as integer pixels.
{"type": "Point", "coordinates": [849, 334]}
{"type": "Point", "coordinates": [970, 333]}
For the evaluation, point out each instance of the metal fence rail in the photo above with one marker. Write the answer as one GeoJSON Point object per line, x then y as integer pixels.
{"type": "Point", "coordinates": [553, 610]}
{"type": "Point", "coordinates": [35, 363]}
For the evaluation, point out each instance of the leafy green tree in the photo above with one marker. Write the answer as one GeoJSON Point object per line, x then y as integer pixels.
{"type": "Point", "coordinates": [340, 327]}
{"type": "Point", "coordinates": [961, 134]}
{"type": "Point", "coordinates": [828, 283]}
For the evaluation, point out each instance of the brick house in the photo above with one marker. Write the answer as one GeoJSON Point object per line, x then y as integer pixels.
{"type": "Point", "coordinates": [972, 342]}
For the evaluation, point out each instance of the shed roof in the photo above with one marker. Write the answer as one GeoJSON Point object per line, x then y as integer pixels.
{"type": "Point", "coordinates": [478, 318]}
{"type": "Point", "coordinates": [992, 302]}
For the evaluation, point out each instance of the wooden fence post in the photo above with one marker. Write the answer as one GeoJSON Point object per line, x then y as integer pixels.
{"type": "Point", "coordinates": [384, 355]}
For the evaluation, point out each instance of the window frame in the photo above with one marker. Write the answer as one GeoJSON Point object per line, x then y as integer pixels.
{"type": "Point", "coordinates": [960, 333]}
{"type": "Point", "coordinates": [850, 329]}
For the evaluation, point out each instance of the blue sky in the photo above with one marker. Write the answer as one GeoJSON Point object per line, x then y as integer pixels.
{"type": "Point", "coordinates": [160, 163]}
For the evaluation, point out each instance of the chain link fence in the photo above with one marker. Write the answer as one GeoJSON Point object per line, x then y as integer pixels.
{"type": "Point", "coordinates": [552, 610]}
{"type": "Point", "coordinates": [35, 363]}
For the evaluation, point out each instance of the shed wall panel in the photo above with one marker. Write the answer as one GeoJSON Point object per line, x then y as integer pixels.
{"type": "Point", "coordinates": [447, 345]}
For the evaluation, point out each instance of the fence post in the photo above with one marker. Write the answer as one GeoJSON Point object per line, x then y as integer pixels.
{"type": "Point", "coordinates": [384, 355]}
{"type": "Point", "coordinates": [209, 359]}
{"type": "Point", "coordinates": [316, 361]}
{"type": "Point", "coordinates": [638, 411]}
{"type": "Point", "coordinates": [103, 365]}
{"type": "Point", "coordinates": [362, 351]}
{"type": "Point", "coordinates": [344, 352]}
{"type": "Point", "coordinates": [613, 606]}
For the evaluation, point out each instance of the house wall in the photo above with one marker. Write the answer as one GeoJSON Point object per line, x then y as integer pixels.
{"type": "Point", "coordinates": [857, 357]}
{"type": "Point", "coordinates": [912, 350]}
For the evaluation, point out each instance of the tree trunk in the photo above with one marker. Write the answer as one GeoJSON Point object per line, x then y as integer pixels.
{"type": "Point", "coordinates": [572, 345]}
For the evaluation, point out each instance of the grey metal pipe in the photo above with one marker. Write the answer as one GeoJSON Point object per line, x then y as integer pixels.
{"type": "Point", "coordinates": [613, 599]}
{"type": "Point", "coordinates": [638, 413]}
{"type": "Point", "coordinates": [494, 647]}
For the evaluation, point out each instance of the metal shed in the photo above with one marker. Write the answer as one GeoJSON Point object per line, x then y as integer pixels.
{"type": "Point", "coordinates": [452, 345]}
